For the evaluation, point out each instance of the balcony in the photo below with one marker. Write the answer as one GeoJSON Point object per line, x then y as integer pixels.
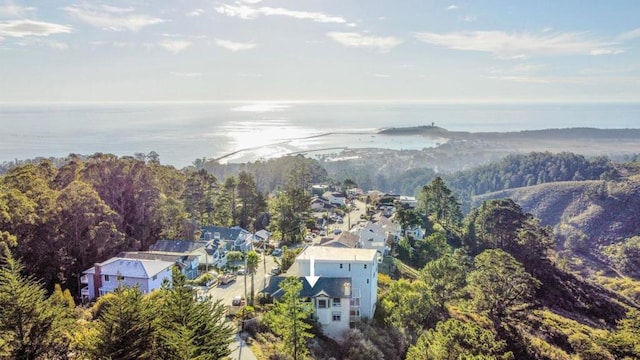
{"type": "Point", "coordinates": [84, 291]}
{"type": "Point", "coordinates": [84, 279]}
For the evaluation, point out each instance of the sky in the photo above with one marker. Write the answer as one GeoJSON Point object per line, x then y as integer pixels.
{"type": "Point", "coordinates": [320, 50]}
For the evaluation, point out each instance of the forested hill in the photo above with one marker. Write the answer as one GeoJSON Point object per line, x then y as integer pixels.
{"type": "Point", "coordinates": [594, 218]}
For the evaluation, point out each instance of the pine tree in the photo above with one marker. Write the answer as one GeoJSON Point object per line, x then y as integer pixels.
{"type": "Point", "coordinates": [188, 329]}
{"type": "Point", "coordinates": [288, 319]}
{"type": "Point", "coordinates": [124, 329]}
{"type": "Point", "coordinates": [31, 326]}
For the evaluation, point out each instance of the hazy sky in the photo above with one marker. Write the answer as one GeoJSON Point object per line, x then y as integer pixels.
{"type": "Point", "coordinates": [160, 50]}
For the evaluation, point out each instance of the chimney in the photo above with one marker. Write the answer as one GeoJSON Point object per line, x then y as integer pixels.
{"type": "Point", "coordinates": [207, 236]}
{"type": "Point", "coordinates": [216, 235]}
{"type": "Point", "coordinates": [97, 280]}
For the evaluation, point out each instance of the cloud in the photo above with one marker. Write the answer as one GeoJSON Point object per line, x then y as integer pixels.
{"type": "Point", "coordinates": [521, 68]}
{"type": "Point", "coordinates": [58, 45]}
{"type": "Point", "coordinates": [186, 74]}
{"type": "Point", "coordinates": [10, 10]}
{"type": "Point", "coordinates": [514, 45]}
{"type": "Point", "coordinates": [353, 39]}
{"type": "Point", "coordinates": [234, 46]}
{"type": "Point", "coordinates": [248, 13]}
{"type": "Point", "coordinates": [469, 18]}
{"type": "Point", "coordinates": [523, 79]}
{"type": "Point", "coordinates": [112, 18]}
{"type": "Point", "coordinates": [25, 28]}
{"type": "Point", "coordinates": [629, 35]}
{"type": "Point", "coordinates": [453, 7]}
{"type": "Point", "coordinates": [383, 76]}
{"type": "Point", "coordinates": [174, 46]}
{"type": "Point", "coordinates": [606, 51]}
{"type": "Point", "coordinates": [195, 12]}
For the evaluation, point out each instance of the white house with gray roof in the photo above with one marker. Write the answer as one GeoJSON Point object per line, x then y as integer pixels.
{"type": "Point", "coordinates": [105, 277]}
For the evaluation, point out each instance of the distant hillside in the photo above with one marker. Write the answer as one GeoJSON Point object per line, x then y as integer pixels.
{"type": "Point", "coordinates": [602, 212]}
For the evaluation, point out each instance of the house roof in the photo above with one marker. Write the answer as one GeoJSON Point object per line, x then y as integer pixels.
{"type": "Point", "coordinates": [226, 233]}
{"type": "Point", "coordinates": [177, 246]}
{"type": "Point", "coordinates": [332, 287]}
{"type": "Point", "coordinates": [320, 253]}
{"type": "Point", "coordinates": [345, 239]}
{"type": "Point", "coordinates": [157, 255]}
{"type": "Point", "coordinates": [136, 268]}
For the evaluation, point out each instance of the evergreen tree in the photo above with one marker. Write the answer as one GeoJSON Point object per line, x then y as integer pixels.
{"type": "Point", "coordinates": [288, 319]}
{"type": "Point", "coordinates": [499, 285]}
{"type": "Point", "coordinates": [124, 329]}
{"type": "Point", "coordinates": [188, 329]}
{"type": "Point", "coordinates": [456, 340]}
{"type": "Point", "coordinates": [31, 326]}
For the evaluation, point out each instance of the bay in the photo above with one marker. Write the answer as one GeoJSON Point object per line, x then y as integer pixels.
{"type": "Point", "coordinates": [247, 131]}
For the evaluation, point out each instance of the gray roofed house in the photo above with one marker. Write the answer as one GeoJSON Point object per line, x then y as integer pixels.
{"type": "Point", "coordinates": [235, 238]}
{"type": "Point", "coordinates": [331, 298]}
{"type": "Point", "coordinates": [188, 263]}
{"type": "Point", "coordinates": [104, 277]}
{"type": "Point", "coordinates": [208, 251]}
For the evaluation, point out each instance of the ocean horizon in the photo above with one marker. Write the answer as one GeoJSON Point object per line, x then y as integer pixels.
{"type": "Point", "coordinates": [247, 131]}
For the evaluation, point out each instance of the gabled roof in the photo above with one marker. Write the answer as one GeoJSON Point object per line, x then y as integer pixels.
{"type": "Point", "coordinates": [332, 287]}
{"type": "Point", "coordinates": [177, 246]}
{"type": "Point", "coordinates": [156, 255]}
{"type": "Point", "coordinates": [345, 239]}
{"type": "Point", "coordinates": [136, 268]}
{"type": "Point", "coordinates": [226, 233]}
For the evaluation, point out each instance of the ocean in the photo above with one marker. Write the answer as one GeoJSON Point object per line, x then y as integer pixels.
{"type": "Point", "coordinates": [244, 131]}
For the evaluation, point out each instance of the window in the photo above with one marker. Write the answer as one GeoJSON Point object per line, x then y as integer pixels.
{"type": "Point", "coordinates": [336, 316]}
{"type": "Point", "coordinates": [155, 277]}
{"type": "Point", "coordinates": [336, 302]}
{"type": "Point", "coordinates": [365, 266]}
{"type": "Point", "coordinates": [106, 278]}
{"type": "Point", "coordinates": [322, 303]}
{"type": "Point", "coordinates": [367, 281]}
{"type": "Point", "coordinates": [120, 277]}
{"type": "Point", "coordinates": [340, 266]}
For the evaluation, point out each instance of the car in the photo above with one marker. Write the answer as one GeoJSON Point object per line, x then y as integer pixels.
{"type": "Point", "coordinates": [275, 270]}
{"type": "Point", "coordinates": [241, 271]}
{"type": "Point", "coordinates": [238, 300]}
{"type": "Point", "coordinates": [226, 278]}
{"type": "Point", "coordinates": [276, 252]}
{"type": "Point", "coordinates": [308, 238]}
{"type": "Point", "coordinates": [323, 233]}
{"type": "Point", "coordinates": [336, 231]}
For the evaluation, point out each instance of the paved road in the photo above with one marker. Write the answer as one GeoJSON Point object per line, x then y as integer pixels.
{"type": "Point", "coordinates": [227, 292]}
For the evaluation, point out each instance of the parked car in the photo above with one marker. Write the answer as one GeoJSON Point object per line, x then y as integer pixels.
{"type": "Point", "coordinates": [241, 271]}
{"type": "Point", "coordinates": [337, 231]}
{"type": "Point", "coordinates": [238, 300]}
{"type": "Point", "coordinates": [275, 271]}
{"type": "Point", "coordinates": [277, 252]}
{"type": "Point", "coordinates": [226, 278]}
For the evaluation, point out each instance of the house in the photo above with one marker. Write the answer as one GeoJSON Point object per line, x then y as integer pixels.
{"type": "Point", "coordinates": [408, 202]}
{"type": "Point", "coordinates": [331, 299]}
{"type": "Point", "coordinates": [207, 251]}
{"type": "Point", "coordinates": [373, 236]}
{"type": "Point", "coordinates": [233, 238]}
{"type": "Point", "coordinates": [389, 226]}
{"type": "Point", "coordinates": [335, 198]}
{"type": "Point", "coordinates": [319, 189]}
{"type": "Point", "coordinates": [187, 263]}
{"type": "Point", "coordinates": [319, 204]}
{"type": "Point", "coordinates": [105, 277]}
{"type": "Point", "coordinates": [360, 266]}
{"type": "Point", "coordinates": [346, 239]}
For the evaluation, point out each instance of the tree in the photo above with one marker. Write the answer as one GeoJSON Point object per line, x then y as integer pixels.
{"type": "Point", "coordinates": [407, 306]}
{"type": "Point", "coordinates": [187, 328]}
{"type": "Point", "coordinates": [252, 202]}
{"type": "Point", "coordinates": [446, 278]}
{"type": "Point", "coordinates": [290, 209]}
{"type": "Point", "coordinates": [288, 319]}
{"type": "Point", "coordinates": [453, 340]}
{"type": "Point", "coordinates": [499, 285]}
{"type": "Point", "coordinates": [253, 260]}
{"type": "Point", "coordinates": [31, 326]}
{"type": "Point", "coordinates": [124, 329]}
{"type": "Point", "coordinates": [501, 224]}
{"type": "Point", "coordinates": [439, 205]}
